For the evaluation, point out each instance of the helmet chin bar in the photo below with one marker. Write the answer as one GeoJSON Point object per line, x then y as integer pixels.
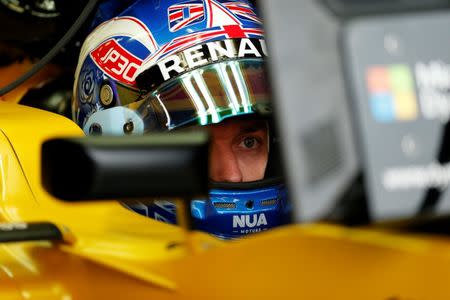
{"type": "Point", "coordinates": [236, 209]}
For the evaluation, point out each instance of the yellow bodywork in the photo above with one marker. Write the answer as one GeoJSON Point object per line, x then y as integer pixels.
{"type": "Point", "coordinates": [112, 253]}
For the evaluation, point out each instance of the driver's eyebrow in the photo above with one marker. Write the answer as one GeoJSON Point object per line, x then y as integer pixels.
{"type": "Point", "coordinates": [253, 127]}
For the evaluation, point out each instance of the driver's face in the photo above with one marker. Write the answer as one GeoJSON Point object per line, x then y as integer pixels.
{"type": "Point", "coordinates": [239, 150]}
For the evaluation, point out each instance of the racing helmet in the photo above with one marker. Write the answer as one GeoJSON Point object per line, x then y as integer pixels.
{"type": "Point", "coordinates": [171, 65]}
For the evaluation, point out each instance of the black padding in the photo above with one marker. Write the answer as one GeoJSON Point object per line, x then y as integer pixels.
{"type": "Point", "coordinates": [18, 232]}
{"type": "Point", "coordinates": [159, 165]}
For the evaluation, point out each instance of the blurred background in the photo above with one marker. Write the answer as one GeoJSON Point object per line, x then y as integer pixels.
{"type": "Point", "coordinates": [362, 96]}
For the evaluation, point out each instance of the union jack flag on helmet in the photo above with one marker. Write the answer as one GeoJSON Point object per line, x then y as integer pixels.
{"type": "Point", "coordinates": [243, 10]}
{"type": "Point", "coordinates": [185, 14]}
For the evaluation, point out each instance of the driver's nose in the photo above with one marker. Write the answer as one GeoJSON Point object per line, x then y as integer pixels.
{"type": "Point", "coordinates": [223, 164]}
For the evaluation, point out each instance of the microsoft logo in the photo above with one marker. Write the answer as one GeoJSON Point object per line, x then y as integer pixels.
{"type": "Point", "coordinates": [391, 93]}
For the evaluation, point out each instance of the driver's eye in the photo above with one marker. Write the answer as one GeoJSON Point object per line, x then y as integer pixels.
{"type": "Point", "coordinates": [249, 142]}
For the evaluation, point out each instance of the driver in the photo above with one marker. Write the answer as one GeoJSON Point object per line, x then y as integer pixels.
{"type": "Point", "coordinates": [179, 65]}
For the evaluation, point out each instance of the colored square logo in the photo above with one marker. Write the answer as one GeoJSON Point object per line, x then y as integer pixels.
{"type": "Point", "coordinates": [391, 93]}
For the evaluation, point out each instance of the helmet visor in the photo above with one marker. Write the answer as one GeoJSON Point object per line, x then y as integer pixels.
{"type": "Point", "coordinates": [206, 96]}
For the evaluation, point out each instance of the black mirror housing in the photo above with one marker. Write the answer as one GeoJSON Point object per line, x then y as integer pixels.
{"type": "Point", "coordinates": [157, 165]}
